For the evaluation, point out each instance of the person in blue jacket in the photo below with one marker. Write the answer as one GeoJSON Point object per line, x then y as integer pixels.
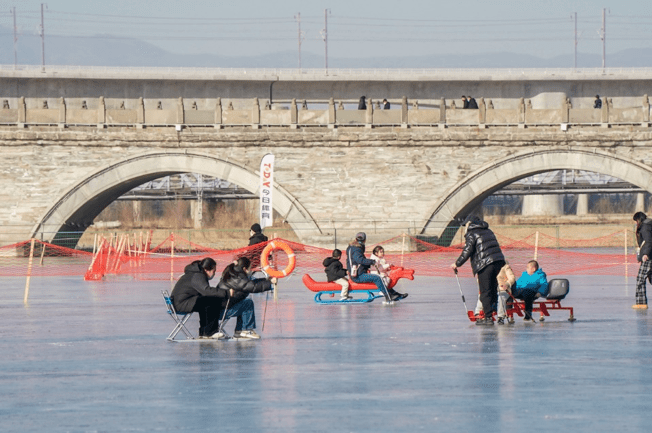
{"type": "Point", "coordinates": [531, 285]}
{"type": "Point", "coordinates": [358, 266]}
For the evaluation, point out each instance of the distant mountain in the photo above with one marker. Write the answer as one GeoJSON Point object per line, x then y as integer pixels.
{"type": "Point", "coordinates": [96, 51]}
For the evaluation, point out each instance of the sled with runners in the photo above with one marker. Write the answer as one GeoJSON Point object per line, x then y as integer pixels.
{"type": "Point", "coordinates": [333, 289]}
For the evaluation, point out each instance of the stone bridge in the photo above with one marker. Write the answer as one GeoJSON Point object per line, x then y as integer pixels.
{"type": "Point", "coordinates": [68, 150]}
{"type": "Point", "coordinates": [390, 178]}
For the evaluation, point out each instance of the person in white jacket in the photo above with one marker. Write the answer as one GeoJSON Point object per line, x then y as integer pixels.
{"type": "Point", "coordinates": [382, 268]}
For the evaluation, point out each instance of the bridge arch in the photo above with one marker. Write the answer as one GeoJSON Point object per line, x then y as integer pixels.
{"type": "Point", "coordinates": [78, 206]}
{"type": "Point", "coordinates": [460, 200]}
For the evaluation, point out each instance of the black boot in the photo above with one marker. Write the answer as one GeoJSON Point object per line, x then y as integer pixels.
{"type": "Point", "coordinates": [488, 321]}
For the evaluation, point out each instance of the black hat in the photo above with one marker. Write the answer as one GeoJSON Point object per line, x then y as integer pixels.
{"type": "Point", "coordinates": [361, 237]}
{"type": "Point", "coordinates": [256, 228]}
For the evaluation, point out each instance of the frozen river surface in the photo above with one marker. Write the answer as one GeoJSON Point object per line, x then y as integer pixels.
{"type": "Point", "coordinates": [91, 357]}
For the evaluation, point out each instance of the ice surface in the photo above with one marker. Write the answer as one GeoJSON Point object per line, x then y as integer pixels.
{"type": "Point", "coordinates": [92, 356]}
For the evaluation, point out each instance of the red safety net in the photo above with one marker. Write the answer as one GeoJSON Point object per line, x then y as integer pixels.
{"type": "Point", "coordinates": [166, 261]}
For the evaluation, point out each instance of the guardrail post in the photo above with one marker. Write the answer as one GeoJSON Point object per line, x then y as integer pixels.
{"type": "Point", "coordinates": [62, 113]}
{"type": "Point", "coordinates": [442, 113]}
{"type": "Point", "coordinates": [180, 113]}
{"type": "Point", "coordinates": [331, 113]}
{"type": "Point", "coordinates": [482, 114]}
{"type": "Point", "coordinates": [255, 115]}
{"type": "Point", "coordinates": [218, 114]}
{"type": "Point", "coordinates": [565, 110]}
{"type": "Point", "coordinates": [294, 114]}
{"type": "Point", "coordinates": [140, 113]}
{"type": "Point", "coordinates": [646, 111]}
{"type": "Point", "coordinates": [521, 113]}
{"type": "Point", "coordinates": [101, 113]}
{"type": "Point", "coordinates": [404, 112]}
{"type": "Point", "coordinates": [604, 114]}
{"type": "Point", "coordinates": [369, 114]}
{"type": "Point", "coordinates": [22, 112]}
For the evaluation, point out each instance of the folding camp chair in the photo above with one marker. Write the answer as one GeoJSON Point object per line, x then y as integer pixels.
{"type": "Point", "coordinates": [180, 319]}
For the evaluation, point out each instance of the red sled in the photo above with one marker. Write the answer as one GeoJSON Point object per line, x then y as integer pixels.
{"type": "Point", "coordinates": [331, 289]}
{"type": "Point", "coordinates": [558, 289]}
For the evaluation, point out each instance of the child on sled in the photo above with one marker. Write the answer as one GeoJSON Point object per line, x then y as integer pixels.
{"type": "Point", "coordinates": [336, 273]}
{"type": "Point", "coordinates": [382, 269]}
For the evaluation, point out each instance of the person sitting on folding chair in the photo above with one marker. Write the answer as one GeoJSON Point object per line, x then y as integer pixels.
{"type": "Point", "coordinates": [531, 285]}
{"type": "Point", "coordinates": [193, 293]}
{"type": "Point", "coordinates": [236, 280]}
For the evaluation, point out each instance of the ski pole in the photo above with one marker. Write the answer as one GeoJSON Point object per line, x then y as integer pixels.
{"type": "Point", "coordinates": [466, 310]}
{"type": "Point", "coordinates": [224, 315]}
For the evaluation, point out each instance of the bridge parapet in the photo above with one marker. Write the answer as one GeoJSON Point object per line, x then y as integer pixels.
{"type": "Point", "coordinates": [179, 113]}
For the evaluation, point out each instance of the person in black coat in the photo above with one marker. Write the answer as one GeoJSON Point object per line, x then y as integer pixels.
{"type": "Point", "coordinates": [465, 102]}
{"type": "Point", "coordinates": [481, 246]}
{"type": "Point", "coordinates": [386, 104]}
{"type": "Point", "coordinates": [256, 235]}
{"type": "Point", "coordinates": [362, 105]}
{"type": "Point", "coordinates": [193, 293]}
{"type": "Point", "coordinates": [644, 254]}
{"type": "Point", "coordinates": [472, 104]}
{"type": "Point", "coordinates": [597, 103]}
{"type": "Point", "coordinates": [236, 281]}
{"type": "Point", "coordinates": [336, 272]}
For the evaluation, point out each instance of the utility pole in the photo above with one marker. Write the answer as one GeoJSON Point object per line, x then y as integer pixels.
{"type": "Point", "coordinates": [603, 36]}
{"type": "Point", "coordinates": [13, 10]}
{"type": "Point", "coordinates": [298, 18]}
{"type": "Point", "coordinates": [42, 41]}
{"type": "Point", "coordinates": [324, 34]}
{"type": "Point", "coordinates": [575, 64]}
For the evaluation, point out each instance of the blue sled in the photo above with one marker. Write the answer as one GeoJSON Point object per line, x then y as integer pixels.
{"type": "Point", "coordinates": [371, 295]}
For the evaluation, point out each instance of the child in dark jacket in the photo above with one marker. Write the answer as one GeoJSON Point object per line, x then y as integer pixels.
{"type": "Point", "coordinates": [335, 272]}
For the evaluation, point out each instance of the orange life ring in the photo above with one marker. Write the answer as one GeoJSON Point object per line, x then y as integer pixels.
{"type": "Point", "coordinates": [264, 259]}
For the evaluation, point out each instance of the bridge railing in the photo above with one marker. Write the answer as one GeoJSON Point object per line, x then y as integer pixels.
{"type": "Point", "coordinates": [179, 113]}
{"type": "Point", "coordinates": [337, 73]}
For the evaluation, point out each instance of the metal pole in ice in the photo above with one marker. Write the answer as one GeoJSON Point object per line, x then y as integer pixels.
{"type": "Point", "coordinates": [625, 254]}
{"type": "Point", "coordinates": [29, 270]}
{"type": "Point", "coordinates": [171, 258]}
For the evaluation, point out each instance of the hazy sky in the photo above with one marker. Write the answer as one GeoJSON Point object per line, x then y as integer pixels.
{"type": "Point", "coordinates": [355, 28]}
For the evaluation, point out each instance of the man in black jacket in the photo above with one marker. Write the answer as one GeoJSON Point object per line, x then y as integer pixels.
{"type": "Point", "coordinates": [193, 293]}
{"type": "Point", "coordinates": [237, 282]}
{"type": "Point", "coordinates": [256, 235]}
{"type": "Point", "coordinates": [472, 104]}
{"type": "Point", "coordinates": [335, 272]}
{"type": "Point", "coordinates": [482, 247]}
{"type": "Point", "coordinates": [644, 241]}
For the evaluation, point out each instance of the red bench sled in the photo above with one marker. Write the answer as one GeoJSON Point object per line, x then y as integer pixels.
{"type": "Point", "coordinates": [331, 289]}
{"type": "Point", "coordinates": [558, 289]}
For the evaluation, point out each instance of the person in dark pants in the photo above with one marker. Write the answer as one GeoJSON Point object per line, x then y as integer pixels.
{"type": "Point", "coordinates": [193, 293]}
{"type": "Point", "coordinates": [487, 259]}
{"type": "Point", "coordinates": [644, 242]}
{"type": "Point", "coordinates": [532, 284]}
{"type": "Point", "coordinates": [236, 280]}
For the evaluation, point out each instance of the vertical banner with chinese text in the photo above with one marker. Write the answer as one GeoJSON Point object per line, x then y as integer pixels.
{"type": "Point", "coordinates": [266, 186]}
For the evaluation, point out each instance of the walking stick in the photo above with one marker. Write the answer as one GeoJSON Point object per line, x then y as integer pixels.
{"type": "Point", "coordinates": [224, 315]}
